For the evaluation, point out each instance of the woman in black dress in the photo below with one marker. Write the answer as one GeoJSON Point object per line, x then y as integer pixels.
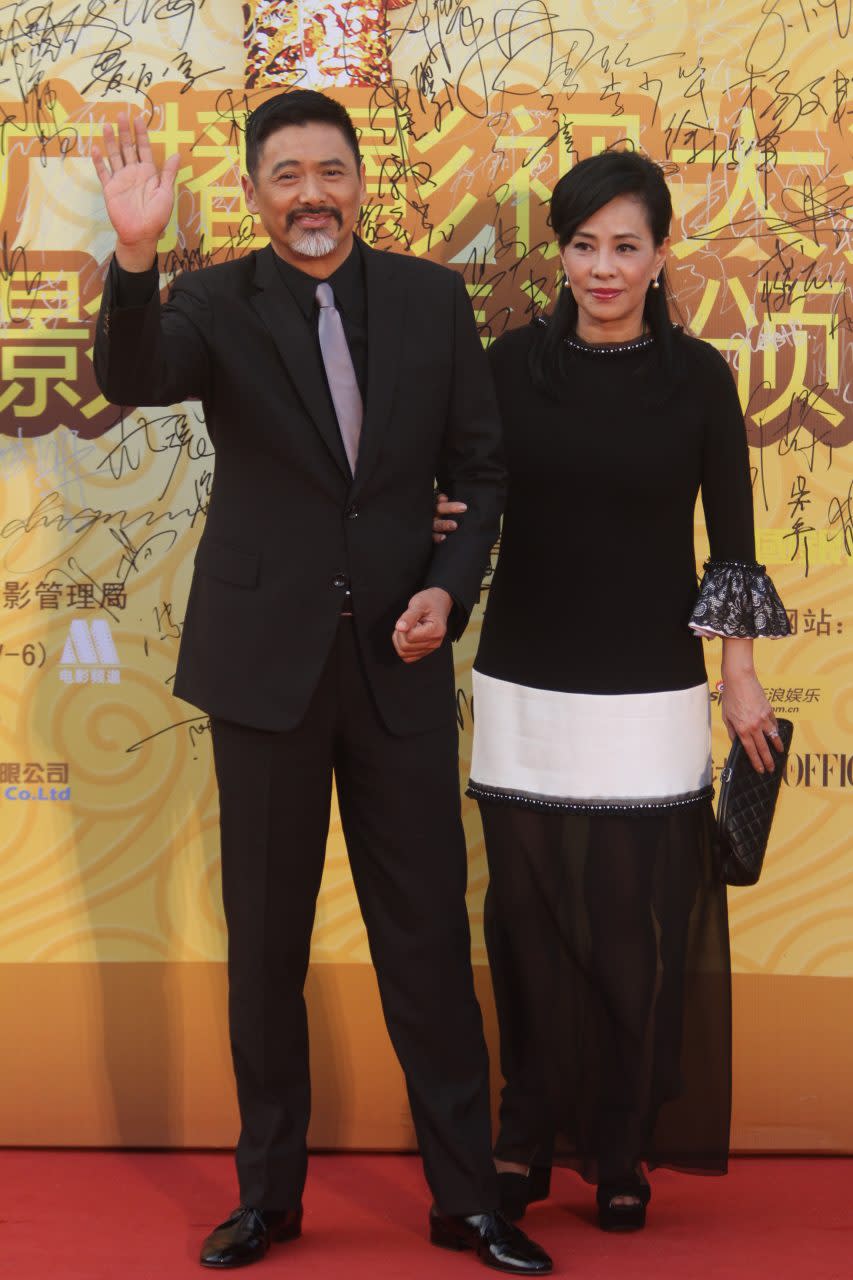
{"type": "Point", "coordinates": [605, 917]}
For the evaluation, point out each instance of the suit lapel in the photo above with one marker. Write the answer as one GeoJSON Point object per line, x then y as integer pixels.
{"type": "Point", "coordinates": [298, 350]}
{"type": "Point", "coordinates": [386, 304]}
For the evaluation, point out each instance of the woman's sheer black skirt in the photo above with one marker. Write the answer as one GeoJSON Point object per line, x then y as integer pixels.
{"type": "Point", "coordinates": [608, 943]}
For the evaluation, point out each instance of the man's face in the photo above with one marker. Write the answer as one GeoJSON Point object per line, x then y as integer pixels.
{"type": "Point", "coordinates": [307, 192]}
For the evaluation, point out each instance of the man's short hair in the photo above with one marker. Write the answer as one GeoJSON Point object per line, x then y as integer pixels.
{"type": "Point", "coordinates": [298, 106]}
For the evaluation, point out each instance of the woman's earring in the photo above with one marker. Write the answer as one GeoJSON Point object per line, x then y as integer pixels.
{"type": "Point", "coordinates": [656, 283]}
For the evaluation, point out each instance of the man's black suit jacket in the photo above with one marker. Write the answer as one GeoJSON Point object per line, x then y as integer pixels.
{"type": "Point", "coordinates": [288, 528]}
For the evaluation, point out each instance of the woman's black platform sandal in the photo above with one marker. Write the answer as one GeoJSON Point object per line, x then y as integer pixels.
{"type": "Point", "coordinates": [623, 1217]}
{"type": "Point", "coordinates": [518, 1190]}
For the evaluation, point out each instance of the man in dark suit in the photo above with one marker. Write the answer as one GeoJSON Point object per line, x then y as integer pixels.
{"type": "Point", "coordinates": [337, 383]}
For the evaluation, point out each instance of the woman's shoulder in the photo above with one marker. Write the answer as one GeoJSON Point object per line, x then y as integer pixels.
{"type": "Point", "coordinates": [515, 342]}
{"type": "Point", "coordinates": [700, 356]}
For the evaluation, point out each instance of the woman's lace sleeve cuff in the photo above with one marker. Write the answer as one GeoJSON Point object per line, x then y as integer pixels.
{"type": "Point", "coordinates": [738, 599]}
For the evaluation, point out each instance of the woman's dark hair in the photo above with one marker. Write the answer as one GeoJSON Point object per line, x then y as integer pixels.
{"type": "Point", "coordinates": [579, 194]}
{"type": "Point", "coordinates": [299, 106]}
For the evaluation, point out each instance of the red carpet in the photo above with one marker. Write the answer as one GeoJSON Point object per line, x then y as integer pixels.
{"type": "Point", "coordinates": [74, 1215]}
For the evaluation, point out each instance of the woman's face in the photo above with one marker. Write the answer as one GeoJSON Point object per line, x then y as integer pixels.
{"type": "Point", "coordinates": [609, 263]}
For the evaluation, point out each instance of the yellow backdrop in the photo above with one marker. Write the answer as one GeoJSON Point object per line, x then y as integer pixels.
{"type": "Point", "coordinates": [111, 936]}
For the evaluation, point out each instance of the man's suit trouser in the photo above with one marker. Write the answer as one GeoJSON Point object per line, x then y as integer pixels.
{"type": "Point", "coordinates": [400, 809]}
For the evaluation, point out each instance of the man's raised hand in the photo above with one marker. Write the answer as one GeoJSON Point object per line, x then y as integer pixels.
{"type": "Point", "coordinates": [138, 197]}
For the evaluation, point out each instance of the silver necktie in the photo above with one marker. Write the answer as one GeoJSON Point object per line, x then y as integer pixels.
{"type": "Point", "coordinates": [340, 373]}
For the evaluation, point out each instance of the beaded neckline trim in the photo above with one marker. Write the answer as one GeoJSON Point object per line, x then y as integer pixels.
{"type": "Point", "coordinates": [610, 348]}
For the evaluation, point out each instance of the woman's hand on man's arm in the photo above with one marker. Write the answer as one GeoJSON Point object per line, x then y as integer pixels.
{"type": "Point", "coordinates": [442, 521]}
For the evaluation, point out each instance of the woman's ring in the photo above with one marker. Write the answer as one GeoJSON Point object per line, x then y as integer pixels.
{"type": "Point", "coordinates": [774, 733]}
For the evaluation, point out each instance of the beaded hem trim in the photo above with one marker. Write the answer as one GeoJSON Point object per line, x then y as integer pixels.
{"type": "Point", "coordinates": [524, 800]}
{"type": "Point", "coordinates": [610, 348]}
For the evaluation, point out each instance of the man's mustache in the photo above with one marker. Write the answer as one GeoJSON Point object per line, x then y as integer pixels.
{"type": "Point", "coordinates": [320, 208]}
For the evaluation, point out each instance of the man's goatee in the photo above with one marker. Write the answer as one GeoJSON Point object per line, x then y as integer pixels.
{"type": "Point", "coordinates": [314, 244]}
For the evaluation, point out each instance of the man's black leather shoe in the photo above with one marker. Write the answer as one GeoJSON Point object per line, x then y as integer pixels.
{"type": "Point", "coordinates": [496, 1242]}
{"type": "Point", "coordinates": [247, 1234]}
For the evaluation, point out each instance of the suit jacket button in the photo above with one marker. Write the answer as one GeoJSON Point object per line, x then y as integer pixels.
{"type": "Point", "coordinates": [339, 580]}
{"type": "Point", "coordinates": [352, 512]}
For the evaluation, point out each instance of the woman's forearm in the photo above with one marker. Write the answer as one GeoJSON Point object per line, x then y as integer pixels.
{"type": "Point", "coordinates": [737, 657]}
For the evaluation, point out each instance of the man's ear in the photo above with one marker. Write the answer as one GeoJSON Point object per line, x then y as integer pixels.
{"type": "Point", "coordinates": [249, 193]}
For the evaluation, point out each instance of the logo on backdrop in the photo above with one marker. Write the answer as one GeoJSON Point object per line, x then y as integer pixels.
{"type": "Point", "coordinates": [787, 700]}
{"type": "Point", "coordinates": [813, 770]}
{"type": "Point", "coordinates": [51, 595]}
{"type": "Point", "coordinates": [807, 622]}
{"type": "Point", "coordinates": [89, 655]}
{"type": "Point", "coordinates": [820, 769]}
{"type": "Point", "coordinates": [36, 778]}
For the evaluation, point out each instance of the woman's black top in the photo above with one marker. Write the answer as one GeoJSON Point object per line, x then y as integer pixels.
{"type": "Point", "coordinates": [596, 582]}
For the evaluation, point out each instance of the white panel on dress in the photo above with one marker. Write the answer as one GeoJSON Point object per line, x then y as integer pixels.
{"type": "Point", "coordinates": [590, 748]}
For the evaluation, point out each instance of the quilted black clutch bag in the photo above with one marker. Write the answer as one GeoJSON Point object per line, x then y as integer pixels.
{"type": "Point", "coordinates": [745, 809]}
